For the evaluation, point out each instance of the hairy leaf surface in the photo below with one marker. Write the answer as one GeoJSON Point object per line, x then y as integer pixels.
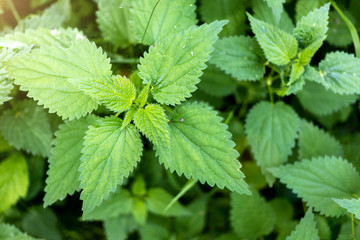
{"type": "Point", "coordinates": [315, 142]}
{"type": "Point", "coordinates": [251, 216]}
{"type": "Point", "coordinates": [200, 148]}
{"type": "Point", "coordinates": [340, 73]}
{"type": "Point", "coordinates": [239, 56]}
{"type": "Point", "coordinates": [64, 162]}
{"type": "Point", "coordinates": [174, 66]}
{"type": "Point", "coordinates": [14, 180]}
{"type": "Point", "coordinates": [351, 205]}
{"type": "Point", "coordinates": [319, 180]}
{"type": "Point", "coordinates": [153, 123]}
{"type": "Point", "coordinates": [27, 127]}
{"type": "Point", "coordinates": [279, 47]}
{"type": "Point", "coordinates": [109, 155]}
{"type": "Point", "coordinates": [47, 74]}
{"type": "Point", "coordinates": [153, 20]}
{"type": "Point", "coordinates": [306, 229]}
{"type": "Point", "coordinates": [271, 132]}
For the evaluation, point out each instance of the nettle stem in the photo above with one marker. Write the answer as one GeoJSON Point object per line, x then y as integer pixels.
{"type": "Point", "coordinates": [351, 27]}
{"type": "Point", "coordinates": [271, 92]}
{"type": "Point", "coordinates": [14, 11]}
{"type": "Point", "coordinates": [353, 232]}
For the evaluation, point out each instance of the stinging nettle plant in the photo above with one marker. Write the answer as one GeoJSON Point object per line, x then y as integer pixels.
{"type": "Point", "coordinates": [66, 98]}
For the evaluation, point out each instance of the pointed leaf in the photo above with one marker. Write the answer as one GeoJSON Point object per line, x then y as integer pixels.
{"type": "Point", "coordinates": [306, 229]}
{"type": "Point", "coordinates": [251, 216]}
{"type": "Point", "coordinates": [64, 162]}
{"type": "Point", "coordinates": [153, 20]}
{"type": "Point", "coordinates": [27, 127]}
{"type": "Point", "coordinates": [319, 180]}
{"type": "Point", "coordinates": [340, 73]}
{"type": "Point", "coordinates": [200, 148]}
{"type": "Point", "coordinates": [113, 18]}
{"type": "Point", "coordinates": [271, 131]}
{"type": "Point", "coordinates": [14, 180]}
{"type": "Point", "coordinates": [351, 205]}
{"type": "Point", "coordinates": [47, 74]}
{"type": "Point", "coordinates": [279, 47]}
{"type": "Point", "coordinates": [313, 26]}
{"type": "Point", "coordinates": [306, 55]}
{"type": "Point", "coordinates": [315, 142]}
{"type": "Point", "coordinates": [8, 232]}
{"type": "Point", "coordinates": [109, 155]}
{"type": "Point", "coordinates": [153, 123]}
{"type": "Point", "coordinates": [277, 7]}
{"type": "Point", "coordinates": [174, 66]}
{"type": "Point", "coordinates": [116, 92]}
{"type": "Point", "coordinates": [239, 56]}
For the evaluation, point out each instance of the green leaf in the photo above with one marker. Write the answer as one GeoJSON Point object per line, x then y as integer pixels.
{"type": "Point", "coordinates": [109, 155]}
{"type": "Point", "coordinates": [263, 12]}
{"type": "Point", "coordinates": [6, 84]}
{"type": "Point", "coordinates": [251, 216]}
{"type": "Point", "coordinates": [200, 148]}
{"type": "Point", "coordinates": [112, 18]}
{"type": "Point", "coordinates": [153, 20]}
{"type": "Point", "coordinates": [216, 83]}
{"type": "Point", "coordinates": [279, 47]}
{"type": "Point", "coordinates": [271, 131]}
{"type": "Point", "coordinates": [306, 54]}
{"type": "Point", "coordinates": [174, 66]}
{"type": "Point", "coordinates": [52, 17]}
{"type": "Point", "coordinates": [153, 123]}
{"type": "Point", "coordinates": [296, 71]}
{"type": "Point", "coordinates": [303, 7]}
{"type": "Point", "coordinates": [119, 227]}
{"type": "Point", "coordinates": [64, 162]}
{"type": "Point", "coordinates": [351, 205]}
{"type": "Point", "coordinates": [313, 26]}
{"type": "Point", "coordinates": [139, 211]}
{"type": "Point", "coordinates": [48, 75]}
{"type": "Point", "coordinates": [277, 7]}
{"type": "Point", "coordinates": [129, 116]}
{"type": "Point", "coordinates": [117, 93]}
{"type": "Point", "coordinates": [346, 231]}
{"type": "Point", "coordinates": [27, 127]}
{"type": "Point", "coordinates": [315, 142]}
{"type": "Point", "coordinates": [225, 9]}
{"type": "Point", "coordinates": [306, 229]}
{"type": "Point", "coordinates": [319, 181]}
{"type": "Point", "coordinates": [239, 56]}
{"type": "Point", "coordinates": [319, 101]}
{"type": "Point", "coordinates": [339, 34]}
{"type": "Point", "coordinates": [119, 203]}
{"type": "Point", "coordinates": [14, 180]}
{"type": "Point", "coordinates": [157, 199]}
{"type": "Point", "coordinates": [340, 73]}
{"type": "Point", "coordinates": [9, 232]}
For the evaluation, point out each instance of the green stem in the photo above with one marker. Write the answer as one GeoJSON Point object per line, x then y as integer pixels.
{"type": "Point", "coordinates": [271, 91]}
{"type": "Point", "coordinates": [14, 11]}
{"type": "Point", "coordinates": [229, 117]}
{"type": "Point", "coordinates": [184, 190]}
{"type": "Point", "coordinates": [148, 23]}
{"type": "Point", "coordinates": [351, 27]}
{"type": "Point", "coordinates": [353, 227]}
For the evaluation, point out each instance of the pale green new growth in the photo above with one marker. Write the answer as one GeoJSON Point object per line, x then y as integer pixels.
{"type": "Point", "coordinates": [8, 232]}
{"type": "Point", "coordinates": [351, 205]}
{"type": "Point", "coordinates": [157, 199]}
{"type": "Point", "coordinates": [6, 84]}
{"type": "Point", "coordinates": [319, 101]}
{"type": "Point", "coordinates": [315, 142]}
{"type": "Point", "coordinates": [296, 71]}
{"type": "Point", "coordinates": [14, 180]}
{"type": "Point", "coordinates": [201, 152]}
{"type": "Point", "coordinates": [174, 66]}
{"type": "Point", "coordinates": [153, 123]}
{"type": "Point", "coordinates": [251, 216]}
{"type": "Point", "coordinates": [112, 18]}
{"type": "Point", "coordinates": [27, 127]}
{"type": "Point", "coordinates": [306, 54]}
{"type": "Point", "coordinates": [239, 56]}
{"type": "Point", "coordinates": [306, 229]}
{"type": "Point", "coordinates": [168, 17]}
{"type": "Point", "coordinates": [277, 7]}
{"type": "Point", "coordinates": [117, 93]}
{"type": "Point", "coordinates": [320, 180]}
{"type": "Point", "coordinates": [48, 75]}
{"type": "Point", "coordinates": [279, 47]}
{"type": "Point", "coordinates": [340, 73]}
{"type": "Point", "coordinates": [129, 116]}
{"type": "Point", "coordinates": [271, 131]}
{"type": "Point", "coordinates": [109, 155]}
{"type": "Point", "coordinates": [64, 162]}
{"type": "Point", "coordinates": [313, 26]}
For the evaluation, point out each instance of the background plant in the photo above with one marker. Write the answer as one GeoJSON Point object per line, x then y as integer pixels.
{"type": "Point", "coordinates": [140, 111]}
